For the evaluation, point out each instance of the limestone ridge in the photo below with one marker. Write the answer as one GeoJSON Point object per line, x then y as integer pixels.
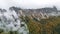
{"type": "Point", "coordinates": [41, 12]}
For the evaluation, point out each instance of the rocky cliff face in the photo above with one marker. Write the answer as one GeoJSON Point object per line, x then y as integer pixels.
{"type": "Point", "coordinates": [10, 22]}
{"type": "Point", "coordinates": [42, 12]}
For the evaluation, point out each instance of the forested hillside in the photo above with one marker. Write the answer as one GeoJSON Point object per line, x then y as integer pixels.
{"type": "Point", "coordinates": [44, 26]}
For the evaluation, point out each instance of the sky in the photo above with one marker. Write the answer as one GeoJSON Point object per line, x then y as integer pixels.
{"type": "Point", "coordinates": [29, 4]}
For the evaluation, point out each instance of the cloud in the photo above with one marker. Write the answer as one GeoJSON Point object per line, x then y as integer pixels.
{"type": "Point", "coordinates": [39, 3]}
{"type": "Point", "coordinates": [29, 3]}
{"type": "Point", "coordinates": [5, 4]}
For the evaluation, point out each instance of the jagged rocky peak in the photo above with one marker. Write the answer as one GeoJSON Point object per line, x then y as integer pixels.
{"type": "Point", "coordinates": [55, 7]}
{"type": "Point", "coordinates": [10, 21]}
{"type": "Point", "coordinates": [30, 11]}
{"type": "Point", "coordinates": [3, 10]}
{"type": "Point", "coordinates": [43, 10]}
{"type": "Point", "coordinates": [46, 10]}
{"type": "Point", "coordinates": [14, 8]}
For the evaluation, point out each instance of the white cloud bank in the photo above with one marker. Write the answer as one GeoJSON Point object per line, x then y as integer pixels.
{"type": "Point", "coordinates": [30, 3]}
